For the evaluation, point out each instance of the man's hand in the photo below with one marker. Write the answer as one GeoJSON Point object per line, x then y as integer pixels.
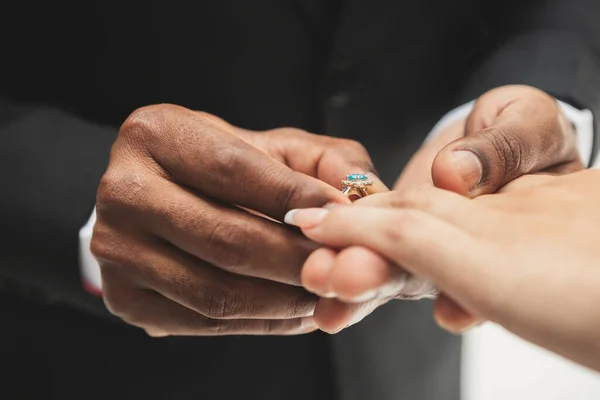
{"type": "Point", "coordinates": [512, 131]}
{"type": "Point", "coordinates": [187, 232]}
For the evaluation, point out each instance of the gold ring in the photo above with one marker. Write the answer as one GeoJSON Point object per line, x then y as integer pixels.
{"type": "Point", "coordinates": [356, 184]}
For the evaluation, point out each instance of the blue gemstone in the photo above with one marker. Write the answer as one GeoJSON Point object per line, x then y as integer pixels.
{"type": "Point", "coordinates": [357, 177]}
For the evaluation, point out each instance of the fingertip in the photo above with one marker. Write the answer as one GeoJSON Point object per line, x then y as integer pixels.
{"type": "Point", "coordinates": [312, 193]}
{"type": "Point", "coordinates": [332, 315]}
{"type": "Point", "coordinates": [315, 273]}
{"type": "Point", "coordinates": [358, 274]}
{"type": "Point", "coordinates": [452, 317]}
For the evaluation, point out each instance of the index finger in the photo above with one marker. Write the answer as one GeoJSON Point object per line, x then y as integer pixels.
{"type": "Point", "coordinates": [424, 244]}
{"type": "Point", "coordinates": [325, 158]}
{"type": "Point", "coordinates": [204, 155]}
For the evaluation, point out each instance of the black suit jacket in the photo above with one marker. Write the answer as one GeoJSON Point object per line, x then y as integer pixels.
{"type": "Point", "coordinates": [379, 71]}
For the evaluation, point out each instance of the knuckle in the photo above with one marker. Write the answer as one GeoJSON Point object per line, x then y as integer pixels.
{"type": "Point", "coordinates": [401, 225]}
{"type": "Point", "coordinates": [101, 246]}
{"type": "Point", "coordinates": [351, 144]}
{"type": "Point", "coordinates": [355, 153]}
{"type": "Point", "coordinates": [141, 122]}
{"type": "Point", "coordinates": [221, 327]}
{"type": "Point", "coordinates": [270, 327]}
{"type": "Point", "coordinates": [199, 324]}
{"type": "Point", "coordinates": [414, 197]}
{"type": "Point", "coordinates": [121, 188]}
{"type": "Point", "coordinates": [118, 300]}
{"type": "Point", "coordinates": [107, 247]}
{"type": "Point", "coordinates": [228, 242]}
{"type": "Point", "coordinates": [288, 193]}
{"type": "Point", "coordinates": [509, 151]}
{"type": "Point", "coordinates": [146, 120]}
{"type": "Point", "coordinates": [221, 302]}
{"type": "Point", "coordinates": [302, 306]}
{"type": "Point", "coordinates": [107, 191]}
{"type": "Point", "coordinates": [224, 161]}
{"type": "Point", "coordinates": [116, 253]}
{"type": "Point", "coordinates": [126, 301]}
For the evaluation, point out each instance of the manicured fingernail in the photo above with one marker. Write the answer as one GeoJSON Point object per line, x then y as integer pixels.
{"type": "Point", "coordinates": [469, 166]}
{"type": "Point", "coordinates": [306, 218]}
{"type": "Point", "coordinates": [365, 296]}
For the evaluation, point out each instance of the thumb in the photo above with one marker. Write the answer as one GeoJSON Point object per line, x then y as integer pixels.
{"type": "Point", "coordinates": [525, 135]}
{"type": "Point", "coordinates": [483, 162]}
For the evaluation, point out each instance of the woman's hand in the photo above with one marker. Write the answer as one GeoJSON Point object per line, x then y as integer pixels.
{"type": "Point", "coordinates": [512, 131]}
{"type": "Point", "coordinates": [527, 259]}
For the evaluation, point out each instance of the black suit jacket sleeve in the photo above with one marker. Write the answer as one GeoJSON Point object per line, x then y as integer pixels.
{"type": "Point", "coordinates": [553, 45]}
{"type": "Point", "coordinates": [50, 166]}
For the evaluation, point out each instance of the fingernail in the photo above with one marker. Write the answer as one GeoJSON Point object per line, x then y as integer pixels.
{"type": "Point", "coordinates": [469, 166]}
{"type": "Point", "coordinates": [329, 295]}
{"type": "Point", "coordinates": [156, 334]}
{"type": "Point", "coordinates": [458, 329]}
{"type": "Point", "coordinates": [365, 296]}
{"type": "Point", "coordinates": [306, 218]}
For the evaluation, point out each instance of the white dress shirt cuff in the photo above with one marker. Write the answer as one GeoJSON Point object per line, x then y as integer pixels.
{"type": "Point", "coordinates": [88, 266]}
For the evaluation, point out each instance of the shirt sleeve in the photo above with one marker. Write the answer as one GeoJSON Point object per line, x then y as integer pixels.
{"type": "Point", "coordinates": [51, 161]}
{"type": "Point", "coordinates": [88, 266]}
